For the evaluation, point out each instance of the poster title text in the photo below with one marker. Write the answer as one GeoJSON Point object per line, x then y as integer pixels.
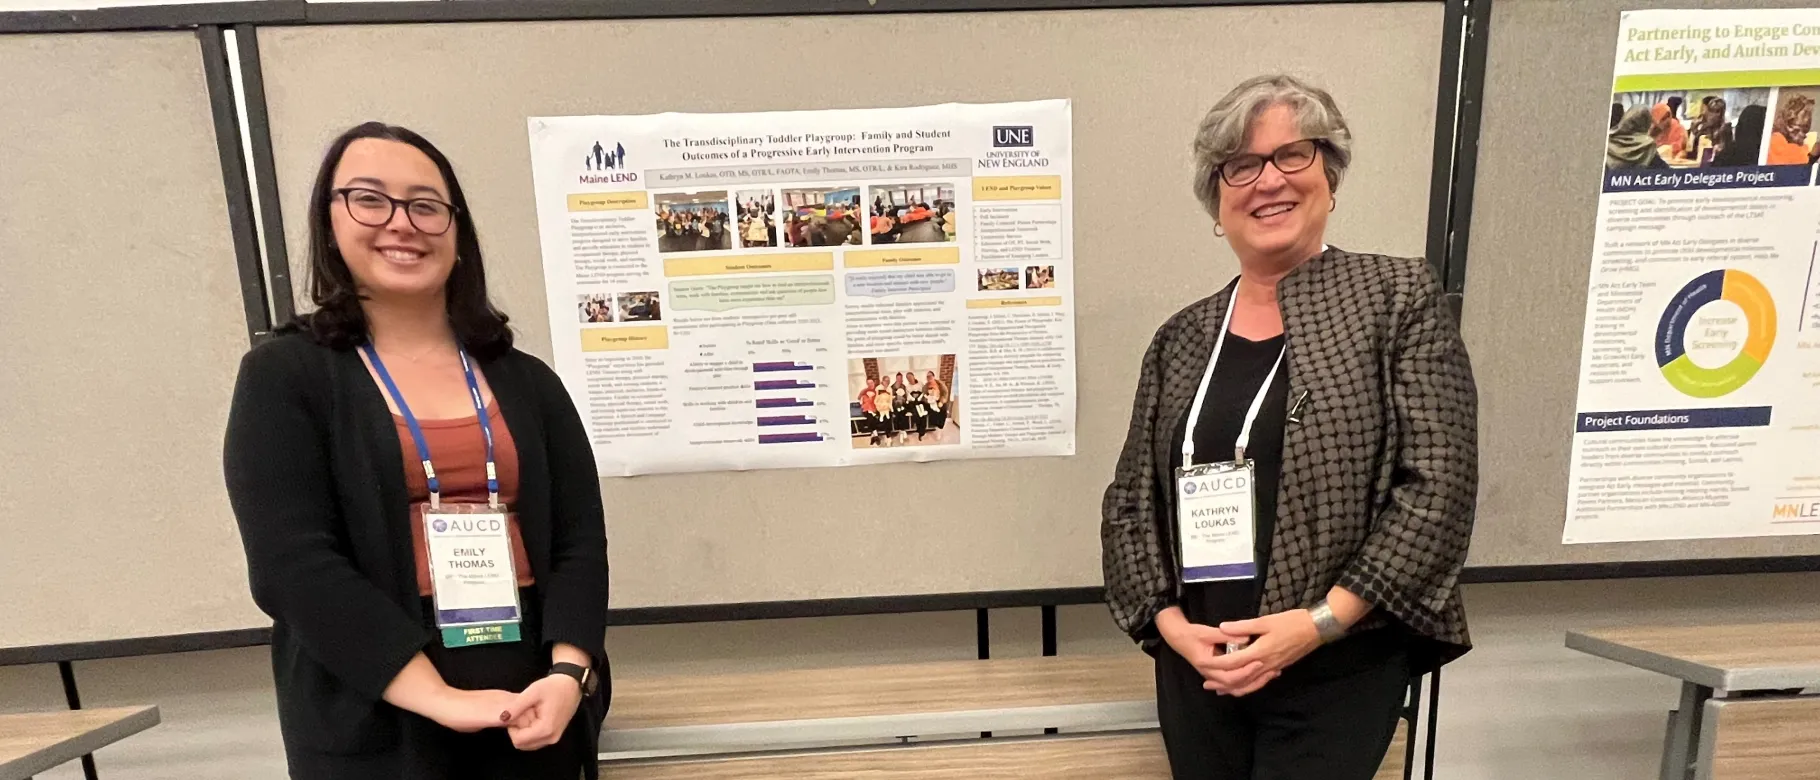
{"type": "Point", "coordinates": [785, 146]}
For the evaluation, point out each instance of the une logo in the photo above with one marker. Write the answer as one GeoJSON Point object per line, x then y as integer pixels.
{"type": "Point", "coordinates": [1013, 136]}
{"type": "Point", "coordinates": [439, 524]}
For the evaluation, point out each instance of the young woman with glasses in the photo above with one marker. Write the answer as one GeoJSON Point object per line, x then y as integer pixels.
{"type": "Point", "coordinates": [366, 433]}
{"type": "Point", "coordinates": [1286, 524]}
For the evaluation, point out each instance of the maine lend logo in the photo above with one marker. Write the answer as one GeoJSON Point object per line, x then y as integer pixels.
{"type": "Point", "coordinates": [605, 165]}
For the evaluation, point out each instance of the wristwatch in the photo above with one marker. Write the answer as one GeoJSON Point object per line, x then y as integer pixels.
{"type": "Point", "coordinates": [582, 674]}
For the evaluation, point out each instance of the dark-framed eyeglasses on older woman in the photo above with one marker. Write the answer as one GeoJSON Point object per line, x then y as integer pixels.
{"type": "Point", "coordinates": [1291, 157]}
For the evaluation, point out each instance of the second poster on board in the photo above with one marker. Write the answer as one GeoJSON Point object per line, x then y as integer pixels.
{"type": "Point", "coordinates": [812, 288]}
{"type": "Point", "coordinates": [1698, 413]}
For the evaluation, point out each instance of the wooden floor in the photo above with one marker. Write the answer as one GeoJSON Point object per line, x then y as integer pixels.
{"type": "Point", "coordinates": [897, 689]}
{"type": "Point", "coordinates": [862, 691]}
{"type": "Point", "coordinates": [1096, 757]}
{"type": "Point", "coordinates": [1118, 757]}
{"type": "Point", "coordinates": [1392, 768]}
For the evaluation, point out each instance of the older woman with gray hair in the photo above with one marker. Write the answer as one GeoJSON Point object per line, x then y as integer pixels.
{"type": "Point", "coordinates": [1285, 527]}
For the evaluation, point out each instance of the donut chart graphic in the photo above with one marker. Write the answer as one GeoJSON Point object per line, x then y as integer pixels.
{"type": "Point", "coordinates": [1727, 284]}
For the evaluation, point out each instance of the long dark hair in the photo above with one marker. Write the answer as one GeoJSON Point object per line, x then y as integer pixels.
{"type": "Point", "coordinates": [1747, 139]}
{"type": "Point", "coordinates": [338, 321]}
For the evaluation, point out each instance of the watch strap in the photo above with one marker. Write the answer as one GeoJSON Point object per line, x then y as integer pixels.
{"type": "Point", "coordinates": [583, 675]}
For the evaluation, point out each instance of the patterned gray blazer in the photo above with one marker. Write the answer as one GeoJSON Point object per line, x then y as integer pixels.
{"type": "Point", "coordinates": [1379, 476]}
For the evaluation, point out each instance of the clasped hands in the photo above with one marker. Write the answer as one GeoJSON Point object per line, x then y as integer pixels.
{"type": "Point", "coordinates": [535, 719]}
{"type": "Point", "coordinates": [1276, 641]}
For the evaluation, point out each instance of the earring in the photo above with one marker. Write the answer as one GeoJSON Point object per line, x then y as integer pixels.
{"type": "Point", "coordinates": [1219, 231]}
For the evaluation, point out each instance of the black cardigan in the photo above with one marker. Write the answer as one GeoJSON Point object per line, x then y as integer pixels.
{"type": "Point", "coordinates": [313, 466]}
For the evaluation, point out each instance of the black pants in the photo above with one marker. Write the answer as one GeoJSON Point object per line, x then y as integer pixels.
{"type": "Point", "coordinates": [489, 755]}
{"type": "Point", "coordinates": [1312, 723]}
{"type": "Point", "coordinates": [435, 753]}
{"type": "Point", "coordinates": [424, 750]}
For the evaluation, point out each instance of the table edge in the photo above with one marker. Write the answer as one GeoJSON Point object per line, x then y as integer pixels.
{"type": "Point", "coordinates": [75, 747]}
{"type": "Point", "coordinates": [1678, 668]}
{"type": "Point", "coordinates": [1757, 678]}
{"type": "Point", "coordinates": [1743, 678]}
{"type": "Point", "coordinates": [949, 744]}
{"type": "Point", "coordinates": [748, 734]}
{"type": "Point", "coordinates": [1134, 659]}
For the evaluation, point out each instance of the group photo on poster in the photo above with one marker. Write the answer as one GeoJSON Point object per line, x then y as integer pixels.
{"type": "Point", "coordinates": [903, 401]}
{"type": "Point", "coordinates": [1688, 129]}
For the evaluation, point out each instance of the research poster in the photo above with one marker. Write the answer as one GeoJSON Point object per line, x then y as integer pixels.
{"type": "Point", "coordinates": [1699, 397]}
{"type": "Point", "coordinates": [812, 288]}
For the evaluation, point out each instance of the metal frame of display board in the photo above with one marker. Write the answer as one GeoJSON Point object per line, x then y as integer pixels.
{"type": "Point", "coordinates": [266, 284]}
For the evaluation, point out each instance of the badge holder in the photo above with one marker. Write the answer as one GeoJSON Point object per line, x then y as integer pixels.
{"type": "Point", "coordinates": [473, 585]}
{"type": "Point", "coordinates": [1216, 503]}
{"type": "Point", "coordinates": [1216, 521]}
{"type": "Point", "coordinates": [475, 594]}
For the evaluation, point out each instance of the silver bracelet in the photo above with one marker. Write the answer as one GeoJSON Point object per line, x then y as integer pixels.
{"type": "Point", "coordinates": [1326, 624]}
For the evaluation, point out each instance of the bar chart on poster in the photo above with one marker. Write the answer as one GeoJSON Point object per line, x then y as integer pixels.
{"type": "Point", "coordinates": [782, 392]}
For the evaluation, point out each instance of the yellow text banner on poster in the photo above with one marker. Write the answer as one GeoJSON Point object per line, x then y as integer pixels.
{"type": "Point", "coordinates": [1017, 188]}
{"type": "Point", "coordinates": [609, 201]}
{"type": "Point", "coordinates": [625, 339]}
{"type": "Point", "coordinates": [749, 264]}
{"type": "Point", "coordinates": [1012, 303]}
{"type": "Point", "coordinates": [908, 256]}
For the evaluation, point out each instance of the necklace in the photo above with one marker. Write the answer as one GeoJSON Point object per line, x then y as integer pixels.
{"type": "Point", "coordinates": [417, 358]}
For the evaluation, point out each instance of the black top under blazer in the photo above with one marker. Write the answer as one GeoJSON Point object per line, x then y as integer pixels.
{"type": "Point", "coordinates": [315, 475]}
{"type": "Point", "coordinates": [1379, 479]}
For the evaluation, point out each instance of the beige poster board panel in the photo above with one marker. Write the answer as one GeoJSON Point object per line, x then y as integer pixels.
{"type": "Point", "coordinates": [1139, 81]}
{"type": "Point", "coordinates": [122, 313]}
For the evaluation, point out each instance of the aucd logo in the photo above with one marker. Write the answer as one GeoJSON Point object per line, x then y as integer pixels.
{"type": "Point", "coordinates": [1222, 482]}
{"type": "Point", "coordinates": [439, 524]}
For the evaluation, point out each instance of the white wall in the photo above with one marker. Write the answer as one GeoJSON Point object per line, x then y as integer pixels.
{"type": "Point", "coordinates": [1520, 706]}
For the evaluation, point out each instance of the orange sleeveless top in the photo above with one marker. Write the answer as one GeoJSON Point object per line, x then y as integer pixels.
{"type": "Point", "coordinates": [459, 452]}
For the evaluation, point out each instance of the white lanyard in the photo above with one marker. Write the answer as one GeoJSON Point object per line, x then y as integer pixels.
{"type": "Point", "coordinates": [1200, 396]}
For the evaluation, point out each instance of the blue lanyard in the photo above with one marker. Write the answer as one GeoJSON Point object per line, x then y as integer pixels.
{"type": "Point", "coordinates": [423, 446]}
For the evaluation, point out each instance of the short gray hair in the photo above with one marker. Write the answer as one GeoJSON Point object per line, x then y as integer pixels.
{"type": "Point", "coordinates": [1226, 130]}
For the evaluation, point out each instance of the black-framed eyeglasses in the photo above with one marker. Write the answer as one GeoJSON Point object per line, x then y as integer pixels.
{"type": "Point", "coordinates": [373, 208]}
{"type": "Point", "coordinates": [1288, 158]}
